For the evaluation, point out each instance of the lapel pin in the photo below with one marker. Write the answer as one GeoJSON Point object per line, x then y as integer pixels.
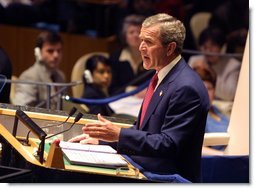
{"type": "Point", "coordinates": [161, 92]}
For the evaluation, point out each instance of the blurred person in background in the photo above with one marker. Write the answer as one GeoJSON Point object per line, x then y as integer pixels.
{"type": "Point", "coordinates": [97, 79]}
{"type": "Point", "coordinates": [227, 68]}
{"type": "Point", "coordinates": [127, 61]}
{"type": "Point", "coordinates": [216, 120]}
{"type": "Point", "coordinates": [48, 53]}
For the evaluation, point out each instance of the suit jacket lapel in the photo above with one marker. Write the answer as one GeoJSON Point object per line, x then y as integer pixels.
{"type": "Point", "coordinates": [162, 88]}
{"type": "Point", "coordinates": [157, 96]}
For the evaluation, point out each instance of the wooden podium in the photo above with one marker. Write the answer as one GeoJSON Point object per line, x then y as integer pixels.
{"type": "Point", "coordinates": [54, 167]}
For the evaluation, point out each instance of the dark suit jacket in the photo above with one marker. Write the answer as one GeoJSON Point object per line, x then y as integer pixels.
{"type": "Point", "coordinates": [173, 128]}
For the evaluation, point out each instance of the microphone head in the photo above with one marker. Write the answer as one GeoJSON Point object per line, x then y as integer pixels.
{"type": "Point", "coordinates": [78, 117]}
{"type": "Point", "coordinates": [57, 142]}
{"type": "Point", "coordinates": [73, 110]}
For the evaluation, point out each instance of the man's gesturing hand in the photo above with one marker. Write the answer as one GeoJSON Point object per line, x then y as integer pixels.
{"type": "Point", "coordinates": [102, 130]}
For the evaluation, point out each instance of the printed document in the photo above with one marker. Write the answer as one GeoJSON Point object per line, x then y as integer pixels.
{"type": "Point", "coordinates": [92, 155]}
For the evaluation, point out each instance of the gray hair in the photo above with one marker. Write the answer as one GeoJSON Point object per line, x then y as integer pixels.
{"type": "Point", "coordinates": [171, 29]}
{"type": "Point", "coordinates": [130, 20]}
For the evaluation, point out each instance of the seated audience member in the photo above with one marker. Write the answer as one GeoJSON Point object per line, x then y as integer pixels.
{"type": "Point", "coordinates": [6, 70]}
{"type": "Point", "coordinates": [211, 40]}
{"type": "Point", "coordinates": [216, 121]}
{"type": "Point", "coordinates": [48, 52]}
{"type": "Point", "coordinates": [236, 42]}
{"type": "Point", "coordinates": [97, 79]}
{"type": "Point", "coordinates": [127, 62]}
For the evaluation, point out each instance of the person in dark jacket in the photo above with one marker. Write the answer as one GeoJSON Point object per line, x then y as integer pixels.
{"type": "Point", "coordinates": [97, 79]}
{"type": "Point", "coordinates": [128, 58]}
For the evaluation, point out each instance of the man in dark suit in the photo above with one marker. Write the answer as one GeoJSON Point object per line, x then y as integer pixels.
{"type": "Point", "coordinates": [168, 137]}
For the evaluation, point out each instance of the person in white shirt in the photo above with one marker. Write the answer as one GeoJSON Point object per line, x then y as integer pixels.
{"type": "Point", "coordinates": [227, 68]}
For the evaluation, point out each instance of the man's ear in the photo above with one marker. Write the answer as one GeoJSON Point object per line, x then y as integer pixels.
{"type": "Point", "coordinates": [171, 48]}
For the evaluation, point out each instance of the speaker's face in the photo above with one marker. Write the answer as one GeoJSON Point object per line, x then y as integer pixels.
{"type": "Point", "coordinates": [153, 53]}
{"type": "Point", "coordinates": [51, 54]}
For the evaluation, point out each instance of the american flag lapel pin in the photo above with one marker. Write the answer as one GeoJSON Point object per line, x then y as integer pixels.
{"type": "Point", "coordinates": [161, 92]}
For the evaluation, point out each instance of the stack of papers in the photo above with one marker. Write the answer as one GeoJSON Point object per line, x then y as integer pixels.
{"type": "Point", "coordinates": [128, 105]}
{"type": "Point", "coordinates": [92, 155]}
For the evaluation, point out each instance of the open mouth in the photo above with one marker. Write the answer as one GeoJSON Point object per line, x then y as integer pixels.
{"type": "Point", "coordinates": [145, 57]}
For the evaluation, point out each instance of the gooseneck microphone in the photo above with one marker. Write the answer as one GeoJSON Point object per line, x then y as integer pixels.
{"type": "Point", "coordinates": [77, 118]}
{"type": "Point", "coordinates": [72, 111]}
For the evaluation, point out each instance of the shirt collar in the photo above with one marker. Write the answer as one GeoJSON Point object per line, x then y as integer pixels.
{"type": "Point", "coordinates": [125, 55]}
{"type": "Point", "coordinates": [165, 70]}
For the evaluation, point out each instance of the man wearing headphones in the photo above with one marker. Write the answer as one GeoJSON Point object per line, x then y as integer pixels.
{"type": "Point", "coordinates": [48, 54]}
